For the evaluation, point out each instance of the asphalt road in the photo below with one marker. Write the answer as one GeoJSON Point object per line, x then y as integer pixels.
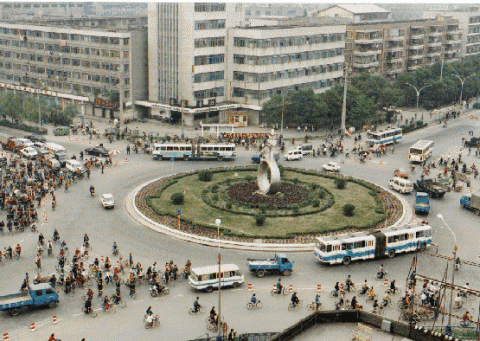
{"type": "Point", "coordinates": [78, 213]}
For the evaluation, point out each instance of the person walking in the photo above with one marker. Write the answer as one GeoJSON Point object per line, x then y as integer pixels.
{"type": "Point", "coordinates": [128, 149]}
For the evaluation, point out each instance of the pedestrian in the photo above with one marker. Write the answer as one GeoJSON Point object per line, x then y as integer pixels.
{"type": "Point", "coordinates": [103, 166]}
{"type": "Point", "coordinates": [128, 149]}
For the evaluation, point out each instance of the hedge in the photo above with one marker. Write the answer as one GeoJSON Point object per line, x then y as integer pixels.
{"type": "Point", "coordinates": [23, 126]}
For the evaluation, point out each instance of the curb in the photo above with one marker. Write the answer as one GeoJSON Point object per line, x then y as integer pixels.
{"type": "Point", "coordinates": [228, 244]}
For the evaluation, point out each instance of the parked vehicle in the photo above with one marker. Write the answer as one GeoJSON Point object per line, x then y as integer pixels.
{"type": "Point", "coordinates": [295, 154]}
{"type": "Point", "coordinates": [331, 167]}
{"type": "Point", "coordinates": [37, 295]}
{"type": "Point", "coordinates": [36, 138]}
{"type": "Point", "coordinates": [97, 151]}
{"type": "Point", "coordinates": [401, 185]}
{"type": "Point", "coordinates": [74, 166]}
{"type": "Point", "coordinates": [422, 203]}
{"type": "Point", "coordinates": [206, 278]}
{"type": "Point", "coordinates": [29, 152]}
{"type": "Point", "coordinates": [471, 202]}
{"type": "Point", "coordinates": [278, 264]}
{"type": "Point", "coordinates": [61, 131]}
{"type": "Point", "coordinates": [434, 189]}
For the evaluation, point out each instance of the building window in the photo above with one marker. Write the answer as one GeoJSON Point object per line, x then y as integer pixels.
{"type": "Point", "coordinates": [210, 7]}
{"type": "Point", "coordinates": [211, 59]}
{"type": "Point", "coordinates": [209, 93]}
{"type": "Point", "coordinates": [210, 24]}
{"type": "Point", "coordinates": [210, 42]}
{"type": "Point", "coordinates": [208, 77]}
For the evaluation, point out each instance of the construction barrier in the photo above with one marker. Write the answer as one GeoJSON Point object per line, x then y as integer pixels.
{"type": "Point", "coordinates": [55, 319]}
{"type": "Point", "coordinates": [126, 160]}
{"type": "Point", "coordinates": [5, 337]}
{"type": "Point", "coordinates": [319, 287]}
{"type": "Point", "coordinates": [32, 327]}
{"type": "Point", "coordinates": [291, 287]}
{"type": "Point", "coordinates": [250, 286]}
{"type": "Point", "coordinates": [385, 282]}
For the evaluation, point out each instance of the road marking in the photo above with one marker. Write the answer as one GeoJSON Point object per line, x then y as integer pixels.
{"type": "Point", "coordinates": [77, 314]}
{"type": "Point", "coordinates": [236, 290]}
{"type": "Point", "coordinates": [179, 295]}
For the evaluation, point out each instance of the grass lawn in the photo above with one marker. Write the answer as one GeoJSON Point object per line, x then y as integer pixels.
{"type": "Point", "coordinates": [197, 210]}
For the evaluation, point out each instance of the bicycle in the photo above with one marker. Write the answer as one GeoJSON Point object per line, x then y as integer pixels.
{"type": "Point", "coordinates": [339, 293]}
{"type": "Point", "coordinates": [92, 312]}
{"type": "Point", "coordinates": [313, 306]}
{"type": "Point", "coordinates": [465, 323]}
{"type": "Point", "coordinates": [393, 291]}
{"type": "Point", "coordinates": [214, 326]}
{"type": "Point", "coordinates": [291, 306]}
{"type": "Point", "coordinates": [155, 322]}
{"type": "Point", "coordinates": [251, 305]}
{"type": "Point", "coordinates": [111, 309]}
{"type": "Point", "coordinates": [201, 309]}
{"type": "Point", "coordinates": [285, 291]}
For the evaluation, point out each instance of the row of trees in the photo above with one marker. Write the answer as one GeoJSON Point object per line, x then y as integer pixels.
{"type": "Point", "coordinates": [20, 106]}
{"type": "Point", "coordinates": [367, 94]}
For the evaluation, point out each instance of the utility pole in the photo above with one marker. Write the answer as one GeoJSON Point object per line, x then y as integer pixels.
{"type": "Point", "coordinates": [344, 106]}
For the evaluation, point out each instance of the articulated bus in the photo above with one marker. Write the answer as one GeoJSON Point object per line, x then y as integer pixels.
{"type": "Point", "coordinates": [389, 241]}
{"type": "Point", "coordinates": [386, 136]}
{"type": "Point", "coordinates": [192, 151]}
{"type": "Point", "coordinates": [420, 151]}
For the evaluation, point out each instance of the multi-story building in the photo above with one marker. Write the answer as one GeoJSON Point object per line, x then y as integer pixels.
{"type": "Point", "coordinates": [393, 47]}
{"type": "Point", "coordinates": [355, 13]}
{"type": "Point", "coordinates": [96, 67]}
{"type": "Point", "coordinates": [469, 23]}
{"type": "Point", "coordinates": [28, 10]}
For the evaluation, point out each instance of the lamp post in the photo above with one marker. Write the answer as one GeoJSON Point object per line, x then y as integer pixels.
{"type": "Point", "coordinates": [344, 104]}
{"type": "Point", "coordinates": [461, 91]}
{"type": "Point", "coordinates": [218, 222]}
{"type": "Point", "coordinates": [418, 91]}
{"type": "Point", "coordinates": [448, 328]}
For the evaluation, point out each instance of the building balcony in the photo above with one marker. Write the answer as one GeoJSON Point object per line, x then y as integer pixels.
{"type": "Point", "coordinates": [436, 43]}
{"type": "Point", "coordinates": [416, 47]}
{"type": "Point", "coordinates": [395, 38]}
{"type": "Point", "coordinates": [433, 54]}
{"type": "Point", "coordinates": [396, 60]}
{"type": "Point", "coordinates": [416, 56]}
{"type": "Point", "coordinates": [366, 65]}
{"type": "Point", "coordinates": [396, 70]}
{"type": "Point", "coordinates": [473, 33]}
{"type": "Point", "coordinates": [395, 48]}
{"type": "Point", "coordinates": [416, 35]}
{"type": "Point", "coordinates": [366, 53]}
{"type": "Point", "coordinates": [456, 31]}
{"type": "Point", "coordinates": [368, 41]}
{"type": "Point", "coordinates": [434, 34]}
{"type": "Point", "coordinates": [413, 67]}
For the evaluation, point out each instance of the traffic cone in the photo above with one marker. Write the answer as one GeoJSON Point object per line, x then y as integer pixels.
{"type": "Point", "coordinates": [55, 319]}
{"type": "Point", "coordinates": [385, 282]}
{"type": "Point", "coordinates": [341, 286]}
{"type": "Point", "coordinates": [250, 286]}
{"type": "Point", "coordinates": [291, 287]}
{"type": "Point", "coordinates": [5, 337]}
{"type": "Point", "coordinates": [319, 287]}
{"type": "Point", "coordinates": [32, 327]}
{"type": "Point", "coordinates": [126, 160]}
{"type": "Point", "coordinates": [89, 142]}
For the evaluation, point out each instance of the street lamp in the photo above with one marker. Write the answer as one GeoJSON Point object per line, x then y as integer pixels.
{"type": "Point", "coordinates": [344, 103]}
{"type": "Point", "coordinates": [218, 222]}
{"type": "Point", "coordinates": [461, 91]}
{"type": "Point", "coordinates": [283, 104]}
{"type": "Point", "coordinates": [448, 328]}
{"type": "Point", "coordinates": [418, 91]}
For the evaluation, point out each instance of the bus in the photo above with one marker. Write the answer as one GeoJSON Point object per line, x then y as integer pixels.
{"type": "Point", "coordinates": [386, 136]}
{"type": "Point", "coordinates": [56, 149]}
{"type": "Point", "coordinates": [420, 151]}
{"type": "Point", "coordinates": [194, 151]}
{"type": "Point", "coordinates": [389, 241]}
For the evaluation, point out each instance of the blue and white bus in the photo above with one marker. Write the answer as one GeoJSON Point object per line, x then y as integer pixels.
{"type": "Point", "coordinates": [194, 151]}
{"type": "Point", "coordinates": [420, 151]}
{"type": "Point", "coordinates": [389, 241]}
{"type": "Point", "coordinates": [386, 136]}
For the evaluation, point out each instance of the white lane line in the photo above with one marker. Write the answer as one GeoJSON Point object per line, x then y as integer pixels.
{"type": "Point", "coordinates": [77, 314]}
{"type": "Point", "coordinates": [179, 295]}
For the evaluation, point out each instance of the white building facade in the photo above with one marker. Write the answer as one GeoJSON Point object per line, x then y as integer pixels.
{"type": "Point", "coordinates": [355, 13]}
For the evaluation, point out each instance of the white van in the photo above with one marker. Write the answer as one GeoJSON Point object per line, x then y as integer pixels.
{"type": "Point", "coordinates": [56, 149]}
{"type": "Point", "coordinates": [206, 278]}
{"type": "Point", "coordinates": [74, 166]}
{"type": "Point", "coordinates": [307, 149]}
{"type": "Point", "coordinates": [401, 185]}
{"type": "Point", "coordinates": [295, 154]}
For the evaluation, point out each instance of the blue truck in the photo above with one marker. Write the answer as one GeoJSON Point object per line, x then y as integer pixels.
{"type": "Point", "coordinates": [471, 202]}
{"type": "Point", "coordinates": [422, 203]}
{"type": "Point", "coordinates": [37, 295]}
{"type": "Point", "coordinates": [257, 158]}
{"type": "Point", "coordinates": [278, 264]}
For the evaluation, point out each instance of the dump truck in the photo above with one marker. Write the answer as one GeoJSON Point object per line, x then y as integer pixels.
{"type": "Point", "coordinates": [471, 202]}
{"type": "Point", "coordinates": [278, 264]}
{"type": "Point", "coordinates": [434, 189]}
{"type": "Point", "coordinates": [37, 295]}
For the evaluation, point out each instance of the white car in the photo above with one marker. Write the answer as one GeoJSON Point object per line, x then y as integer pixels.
{"type": "Point", "coordinates": [29, 152]}
{"type": "Point", "coordinates": [25, 142]}
{"type": "Point", "coordinates": [331, 167]}
{"type": "Point", "coordinates": [107, 201]}
{"type": "Point", "coordinates": [293, 155]}
{"type": "Point", "coordinates": [74, 166]}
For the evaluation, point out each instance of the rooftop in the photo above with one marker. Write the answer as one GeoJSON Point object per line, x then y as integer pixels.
{"type": "Point", "coordinates": [363, 8]}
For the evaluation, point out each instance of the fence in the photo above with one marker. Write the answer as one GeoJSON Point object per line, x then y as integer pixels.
{"type": "Point", "coordinates": [242, 337]}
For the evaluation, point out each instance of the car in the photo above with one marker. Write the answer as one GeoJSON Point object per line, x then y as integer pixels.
{"type": "Point", "coordinates": [74, 166]}
{"type": "Point", "coordinates": [257, 158]}
{"type": "Point", "coordinates": [36, 138]}
{"type": "Point", "coordinates": [25, 142]}
{"type": "Point", "coordinates": [331, 167]}
{"type": "Point", "coordinates": [29, 152]}
{"type": "Point", "coordinates": [97, 151]}
{"type": "Point", "coordinates": [52, 162]}
{"type": "Point", "coordinates": [401, 173]}
{"type": "Point", "coordinates": [293, 155]}
{"type": "Point", "coordinates": [107, 200]}
{"type": "Point", "coordinates": [61, 131]}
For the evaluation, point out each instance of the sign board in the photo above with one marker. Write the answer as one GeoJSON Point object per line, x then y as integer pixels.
{"type": "Point", "coordinates": [178, 211]}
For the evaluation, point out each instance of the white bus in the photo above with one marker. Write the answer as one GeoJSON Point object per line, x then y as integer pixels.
{"type": "Point", "coordinates": [389, 241]}
{"type": "Point", "coordinates": [420, 151]}
{"type": "Point", "coordinates": [206, 278]}
{"type": "Point", "coordinates": [56, 149]}
{"type": "Point", "coordinates": [194, 151]}
{"type": "Point", "coordinates": [387, 136]}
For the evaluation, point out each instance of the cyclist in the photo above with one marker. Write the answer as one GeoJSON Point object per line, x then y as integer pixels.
{"type": "Point", "coordinates": [88, 305]}
{"type": "Point", "coordinates": [18, 250]}
{"type": "Point", "coordinates": [56, 235]}
{"type": "Point", "coordinates": [213, 315]}
{"type": "Point", "coordinates": [386, 299]}
{"type": "Point", "coordinates": [364, 288]}
{"type": "Point", "coordinates": [466, 318]}
{"type": "Point", "coordinates": [116, 298]}
{"type": "Point", "coordinates": [336, 289]}
{"type": "Point", "coordinates": [149, 311]}
{"type": "Point", "coordinates": [89, 294]}
{"type": "Point", "coordinates": [115, 248]}
{"type": "Point", "coordinates": [253, 299]}
{"type": "Point", "coordinates": [92, 190]}
{"type": "Point", "coordinates": [279, 286]}
{"type": "Point", "coordinates": [317, 302]}
{"type": "Point", "coordinates": [349, 283]}
{"type": "Point", "coordinates": [371, 293]}
{"type": "Point", "coordinates": [458, 263]}
{"type": "Point", "coordinates": [381, 273]}
{"type": "Point", "coordinates": [393, 288]}
{"type": "Point", "coordinates": [375, 306]}
{"type": "Point", "coordinates": [354, 303]}
{"type": "Point", "coordinates": [106, 302]}
{"type": "Point", "coordinates": [295, 299]}
{"type": "Point", "coordinates": [196, 305]}
{"type": "Point", "coordinates": [149, 320]}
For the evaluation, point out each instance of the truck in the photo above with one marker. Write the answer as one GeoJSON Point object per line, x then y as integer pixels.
{"type": "Point", "coordinates": [10, 142]}
{"type": "Point", "coordinates": [37, 295]}
{"type": "Point", "coordinates": [434, 189]}
{"type": "Point", "coordinates": [471, 202]}
{"type": "Point", "coordinates": [278, 264]}
{"type": "Point", "coordinates": [422, 203]}
{"type": "Point", "coordinates": [258, 157]}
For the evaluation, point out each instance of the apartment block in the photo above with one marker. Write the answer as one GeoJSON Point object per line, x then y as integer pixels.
{"type": "Point", "coordinates": [469, 23]}
{"type": "Point", "coordinates": [390, 48]}
{"type": "Point", "coordinates": [355, 13]}
{"type": "Point", "coordinates": [87, 65]}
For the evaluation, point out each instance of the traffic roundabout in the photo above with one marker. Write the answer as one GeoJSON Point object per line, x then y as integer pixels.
{"type": "Point", "coordinates": [307, 204]}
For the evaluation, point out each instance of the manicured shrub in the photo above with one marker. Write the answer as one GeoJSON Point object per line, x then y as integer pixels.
{"type": "Point", "coordinates": [249, 178]}
{"type": "Point", "coordinates": [316, 203]}
{"type": "Point", "coordinates": [177, 198]}
{"type": "Point", "coordinates": [348, 210]}
{"type": "Point", "coordinates": [215, 189]}
{"type": "Point", "coordinates": [340, 183]}
{"type": "Point", "coordinates": [205, 175]}
{"type": "Point", "coordinates": [228, 206]}
{"type": "Point", "coordinates": [321, 194]}
{"type": "Point", "coordinates": [215, 197]}
{"type": "Point", "coordinates": [260, 219]}
{"type": "Point", "coordinates": [476, 106]}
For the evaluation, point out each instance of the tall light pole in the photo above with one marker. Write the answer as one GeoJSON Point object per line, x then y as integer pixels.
{"type": "Point", "coordinates": [218, 222]}
{"type": "Point", "coordinates": [344, 105]}
{"type": "Point", "coordinates": [448, 328]}
{"type": "Point", "coordinates": [283, 103]}
{"type": "Point", "coordinates": [461, 91]}
{"type": "Point", "coordinates": [418, 91]}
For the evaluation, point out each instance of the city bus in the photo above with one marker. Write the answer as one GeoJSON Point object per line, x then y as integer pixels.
{"type": "Point", "coordinates": [194, 151]}
{"type": "Point", "coordinates": [386, 136]}
{"type": "Point", "coordinates": [389, 241]}
{"type": "Point", "coordinates": [420, 151]}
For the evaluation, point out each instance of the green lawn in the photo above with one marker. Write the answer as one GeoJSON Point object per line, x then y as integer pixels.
{"type": "Point", "coordinates": [197, 210]}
